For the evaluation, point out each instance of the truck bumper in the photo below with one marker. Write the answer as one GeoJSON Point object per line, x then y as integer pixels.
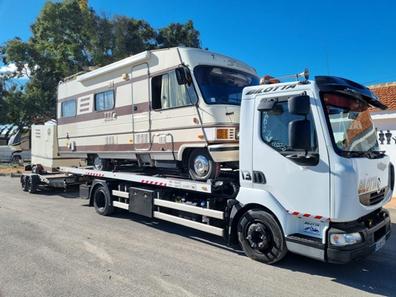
{"type": "Point", "coordinates": [375, 230]}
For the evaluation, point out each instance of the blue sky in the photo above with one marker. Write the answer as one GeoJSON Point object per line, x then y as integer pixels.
{"type": "Point", "coordinates": [353, 39]}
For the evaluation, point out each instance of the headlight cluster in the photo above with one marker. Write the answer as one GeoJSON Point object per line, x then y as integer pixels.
{"type": "Point", "coordinates": [342, 239]}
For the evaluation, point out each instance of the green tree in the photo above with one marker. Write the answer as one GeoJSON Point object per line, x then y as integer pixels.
{"type": "Point", "coordinates": [178, 35]}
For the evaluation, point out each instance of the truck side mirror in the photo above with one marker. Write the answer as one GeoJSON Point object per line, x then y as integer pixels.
{"type": "Point", "coordinates": [183, 76]}
{"type": "Point", "coordinates": [300, 135]}
{"type": "Point", "coordinates": [299, 105]}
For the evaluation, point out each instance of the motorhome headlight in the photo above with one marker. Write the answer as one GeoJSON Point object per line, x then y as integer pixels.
{"type": "Point", "coordinates": [342, 239]}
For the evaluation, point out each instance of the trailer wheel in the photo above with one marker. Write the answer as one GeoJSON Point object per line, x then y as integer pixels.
{"type": "Point", "coordinates": [102, 201]}
{"type": "Point", "coordinates": [31, 183]}
{"type": "Point", "coordinates": [201, 166]}
{"type": "Point", "coordinates": [261, 237]}
{"type": "Point", "coordinates": [23, 183]}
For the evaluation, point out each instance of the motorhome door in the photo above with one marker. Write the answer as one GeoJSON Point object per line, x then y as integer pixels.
{"type": "Point", "coordinates": [140, 107]}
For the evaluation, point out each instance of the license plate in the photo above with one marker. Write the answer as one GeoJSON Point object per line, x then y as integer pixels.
{"type": "Point", "coordinates": [380, 243]}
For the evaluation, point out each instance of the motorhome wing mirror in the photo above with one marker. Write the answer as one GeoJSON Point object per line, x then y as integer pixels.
{"type": "Point", "coordinates": [300, 135]}
{"type": "Point", "coordinates": [267, 104]}
{"type": "Point", "coordinates": [299, 105]}
{"type": "Point", "coordinates": [183, 76]}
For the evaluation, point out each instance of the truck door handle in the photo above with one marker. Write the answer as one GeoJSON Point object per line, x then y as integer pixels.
{"type": "Point", "coordinates": [259, 177]}
{"type": "Point", "coordinates": [134, 108]}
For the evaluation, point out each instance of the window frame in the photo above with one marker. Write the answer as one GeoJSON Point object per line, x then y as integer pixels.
{"type": "Point", "coordinates": [175, 107]}
{"type": "Point", "coordinates": [103, 92]}
{"type": "Point", "coordinates": [75, 108]}
{"type": "Point", "coordinates": [314, 149]}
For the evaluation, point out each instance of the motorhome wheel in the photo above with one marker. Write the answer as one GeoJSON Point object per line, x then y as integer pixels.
{"type": "Point", "coordinates": [201, 166]}
{"type": "Point", "coordinates": [101, 164]}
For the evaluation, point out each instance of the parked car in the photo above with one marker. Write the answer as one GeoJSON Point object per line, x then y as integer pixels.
{"type": "Point", "coordinates": [12, 155]}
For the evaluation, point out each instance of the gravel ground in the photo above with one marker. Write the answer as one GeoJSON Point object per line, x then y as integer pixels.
{"type": "Point", "coordinates": [53, 244]}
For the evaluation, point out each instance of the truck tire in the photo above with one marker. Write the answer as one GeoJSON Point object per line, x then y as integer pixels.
{"type": "Point", "coordinates": [261, 237]}
{"type": "Point", "coordinates": [102, 201]}
{"type": "Point", "coordinates": [201, 166]}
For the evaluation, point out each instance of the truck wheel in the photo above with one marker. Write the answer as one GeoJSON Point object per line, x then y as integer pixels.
{"type": "Point", "coordinates": [261, 237]}
{"type": "Point", "coordinates": [201, 166]}
{"type": "Point", "coordinates": [102, 201]}
{"type": "Point", "coordinates": [101, 164]}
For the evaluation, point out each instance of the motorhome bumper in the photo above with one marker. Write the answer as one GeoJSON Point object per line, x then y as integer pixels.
{"type": "Point", "coordinates": [224, 152]}
{"type": "Point", "coordinates": [374, 238]}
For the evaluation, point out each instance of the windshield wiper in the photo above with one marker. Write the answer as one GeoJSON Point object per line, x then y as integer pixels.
{"type": "Point", "coordinates": [367, 154]}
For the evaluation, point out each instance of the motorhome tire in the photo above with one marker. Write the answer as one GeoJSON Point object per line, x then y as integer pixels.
{"type": "Point", "coordinates": [201, 166]}
{"type": "Point", "coordinates": [102, 201]}
{"type": "Point", "coordinates": [101, 164]}
{"type": "Point", "coordinates": [261, 237]}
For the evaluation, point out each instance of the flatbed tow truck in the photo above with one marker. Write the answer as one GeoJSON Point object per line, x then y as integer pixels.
{"type": "Point", "coordinates": [311, 178]}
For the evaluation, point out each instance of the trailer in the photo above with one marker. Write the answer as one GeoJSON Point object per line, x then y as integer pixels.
{"type": "Point", "coordinates": [310, 180]}
{"type": "Point", "coordinates": [190, 203]}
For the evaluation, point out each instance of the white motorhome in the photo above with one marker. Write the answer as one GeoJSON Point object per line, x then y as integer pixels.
{"type": "Point", "coordinates": [172, 108]}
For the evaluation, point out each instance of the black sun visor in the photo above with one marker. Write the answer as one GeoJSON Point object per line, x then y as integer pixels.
{"type": "Point", "coordinates": [341, 85]}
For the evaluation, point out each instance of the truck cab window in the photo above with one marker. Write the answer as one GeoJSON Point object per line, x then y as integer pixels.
{"type": "Point", "coordinates": [104, 100]}
{"type": "Point", "coordinates": [68, 108]}
{"type": "Point", "coordinates": [275, 127]}
{"type": "Point", "coordinates": [167, 93]}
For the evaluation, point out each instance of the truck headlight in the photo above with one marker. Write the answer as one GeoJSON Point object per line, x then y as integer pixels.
{"type": "Point", "coordinates": [342, 239]}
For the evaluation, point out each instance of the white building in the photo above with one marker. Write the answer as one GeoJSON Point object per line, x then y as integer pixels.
{"type": "Point", "coordinates": [385, 120]}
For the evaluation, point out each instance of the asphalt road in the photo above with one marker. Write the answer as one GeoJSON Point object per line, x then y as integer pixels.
{"type": "Point", "coordinates": [55, 245]}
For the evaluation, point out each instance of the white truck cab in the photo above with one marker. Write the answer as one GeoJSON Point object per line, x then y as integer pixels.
{"type": "Point", "coordinates": [309, 158]}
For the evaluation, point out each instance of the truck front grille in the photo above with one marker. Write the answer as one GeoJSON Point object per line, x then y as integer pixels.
{"type": "Point", "coordinates": [373, 197]}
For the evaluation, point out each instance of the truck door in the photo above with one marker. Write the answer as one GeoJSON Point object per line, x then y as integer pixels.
{"type": "Point", "coordinates": [298, 188]}
{"type": "Point", "coordinates": [140, 107]}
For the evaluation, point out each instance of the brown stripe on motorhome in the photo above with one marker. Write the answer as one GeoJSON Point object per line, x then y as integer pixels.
{"type": "Point", "coordinates": [117, 84]}
{"type": "Point", "coordinates": [155, 147]}
{"type": "Point", "coordinates": [221, 125]}
{"type": "Point", "coordinates": [84, 104]}
{"type": "Point", "coordinates": [84, 109]}
{"type": "Point", "coordinates": [85, 99]}
{"type": "Point", "coordinates": [119, 111]}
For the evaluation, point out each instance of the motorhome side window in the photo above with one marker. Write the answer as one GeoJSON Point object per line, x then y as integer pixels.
{"type": "Point", "coordinates": [68, 108]}
{"type": "Point", "coordinates": [275, 127]}
{"type": "Point", "coordinates": [167, 93]}
{"type": "Point", "coordinates": [104, 100]}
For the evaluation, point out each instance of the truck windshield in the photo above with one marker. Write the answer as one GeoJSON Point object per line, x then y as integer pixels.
{"type": "Point", "coordinates": [220, 85]}
{"type": "Point", "coordinates": [351, 125]}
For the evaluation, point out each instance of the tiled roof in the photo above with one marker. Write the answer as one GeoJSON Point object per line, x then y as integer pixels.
{"type": "Point", "coordinates": [387, 95]}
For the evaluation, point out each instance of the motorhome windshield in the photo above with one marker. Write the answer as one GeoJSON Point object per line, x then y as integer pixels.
{"type": "Point", "coordinates": [220, 85]}
{"type": "Point", "coordinates": [351, 125]}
